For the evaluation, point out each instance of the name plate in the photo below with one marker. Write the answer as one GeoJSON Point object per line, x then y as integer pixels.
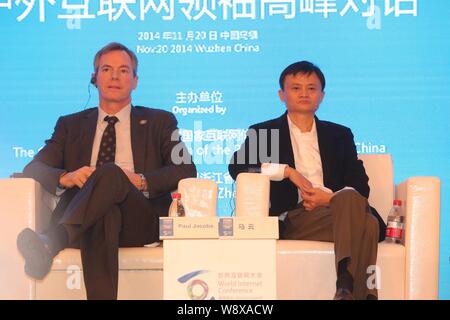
{"type": "Point", "coordinates": [248, 228]}
{"type": "Point", "coordinates": [188, 228]}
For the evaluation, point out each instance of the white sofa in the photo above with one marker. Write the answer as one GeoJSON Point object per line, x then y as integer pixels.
{"type": "Point", "coordinates": [305, 269]}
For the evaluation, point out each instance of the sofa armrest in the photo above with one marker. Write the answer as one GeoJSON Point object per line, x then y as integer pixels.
{"type": "Point", "coordinates": [23, 203]}
{"type": "Point", "coordinates": [17, 211]}
{"type": "Point", "coordinates": [421, 196]}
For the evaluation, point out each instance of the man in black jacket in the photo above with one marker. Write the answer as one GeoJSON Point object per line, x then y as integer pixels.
{"type": "Point", "coordinates": [319, 188]}
{"type": "Point", "coordinates": [113, 167]}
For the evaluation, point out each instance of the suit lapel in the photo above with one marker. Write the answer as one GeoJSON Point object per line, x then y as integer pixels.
{"type": "Point", "coordinates": [88, 128]}
{"type": "Point", "coordinates": [286, 153]}
{"type": "Point", "coordinates": [325, 140]}
{"type": "Point", "coordinates": [139, 127]}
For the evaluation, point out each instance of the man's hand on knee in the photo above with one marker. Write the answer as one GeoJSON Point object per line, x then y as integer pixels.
{"type": "Point", "coordinates": [315, 197]}
{"type": "Point", "coordinates": [76, 178]}
{"type": "Point", "coordinates": [136, 179]}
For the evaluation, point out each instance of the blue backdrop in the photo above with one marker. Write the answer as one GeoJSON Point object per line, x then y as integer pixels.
{"type": "Point", "coordinates": [215, 64]}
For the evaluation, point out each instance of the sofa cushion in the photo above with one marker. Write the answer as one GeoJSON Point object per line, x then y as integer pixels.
{"type": "Point", "coordinates": [129, 259]}
{"type": "Point", "coordinates": [306, 270]}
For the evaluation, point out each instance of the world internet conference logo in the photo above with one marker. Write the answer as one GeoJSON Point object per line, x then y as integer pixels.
{"type": "Point", "coordinates": [196, 288]}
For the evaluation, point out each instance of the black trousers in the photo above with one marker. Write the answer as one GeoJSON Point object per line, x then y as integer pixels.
{"type": "Point", "coordinates": [107, 213]}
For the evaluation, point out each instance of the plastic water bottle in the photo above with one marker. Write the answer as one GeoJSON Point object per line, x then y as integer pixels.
{"type": "Point", "coordinates": [176, 208]}
{"type": "Point", "coordinates": [395, 231]}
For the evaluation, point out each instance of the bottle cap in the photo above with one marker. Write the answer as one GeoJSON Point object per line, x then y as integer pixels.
{"type": "Point", "coordinates": [397, 202]}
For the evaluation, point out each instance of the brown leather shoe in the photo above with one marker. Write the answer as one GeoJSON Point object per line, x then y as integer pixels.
{"type": "Point", "coordinates": [343, 294]}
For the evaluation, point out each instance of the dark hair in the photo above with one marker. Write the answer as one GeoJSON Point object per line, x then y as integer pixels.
{"type": "Point", "coordinates": [304, 67]}
{"type": "Point", "coordinates": [115, 46]}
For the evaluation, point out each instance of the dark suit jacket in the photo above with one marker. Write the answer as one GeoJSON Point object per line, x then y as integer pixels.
{"type": "Point", "coordinates": [340, 164]}
{"type": "Point", "coordinates": [70, 148]}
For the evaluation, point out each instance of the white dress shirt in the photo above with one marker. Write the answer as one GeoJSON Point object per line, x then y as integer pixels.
{"type": "Point", "coordinates": [305, 147]}
{"type": "Point", "coordinates": [124, 154]}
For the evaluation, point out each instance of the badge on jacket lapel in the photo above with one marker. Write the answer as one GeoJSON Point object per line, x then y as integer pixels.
{"type": "Point", "coordinates": [142, 122]}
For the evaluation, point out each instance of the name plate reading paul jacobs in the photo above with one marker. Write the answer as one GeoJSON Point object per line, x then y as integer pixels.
{"type": "Point", "coordinates": [188, 228]}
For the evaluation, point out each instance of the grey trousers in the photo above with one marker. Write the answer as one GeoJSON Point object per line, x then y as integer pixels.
{"type": "Point", "coordinates": [348, 223]}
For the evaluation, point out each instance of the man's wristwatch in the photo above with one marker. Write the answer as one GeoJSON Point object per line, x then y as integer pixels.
{"type": "Point", "coordinates": [143, 182]}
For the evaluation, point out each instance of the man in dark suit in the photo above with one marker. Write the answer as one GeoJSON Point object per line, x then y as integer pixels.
{"type": "Point", "coordinates": [113, 167]}
{"type": "Point", "coordinates": [319, 188]}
